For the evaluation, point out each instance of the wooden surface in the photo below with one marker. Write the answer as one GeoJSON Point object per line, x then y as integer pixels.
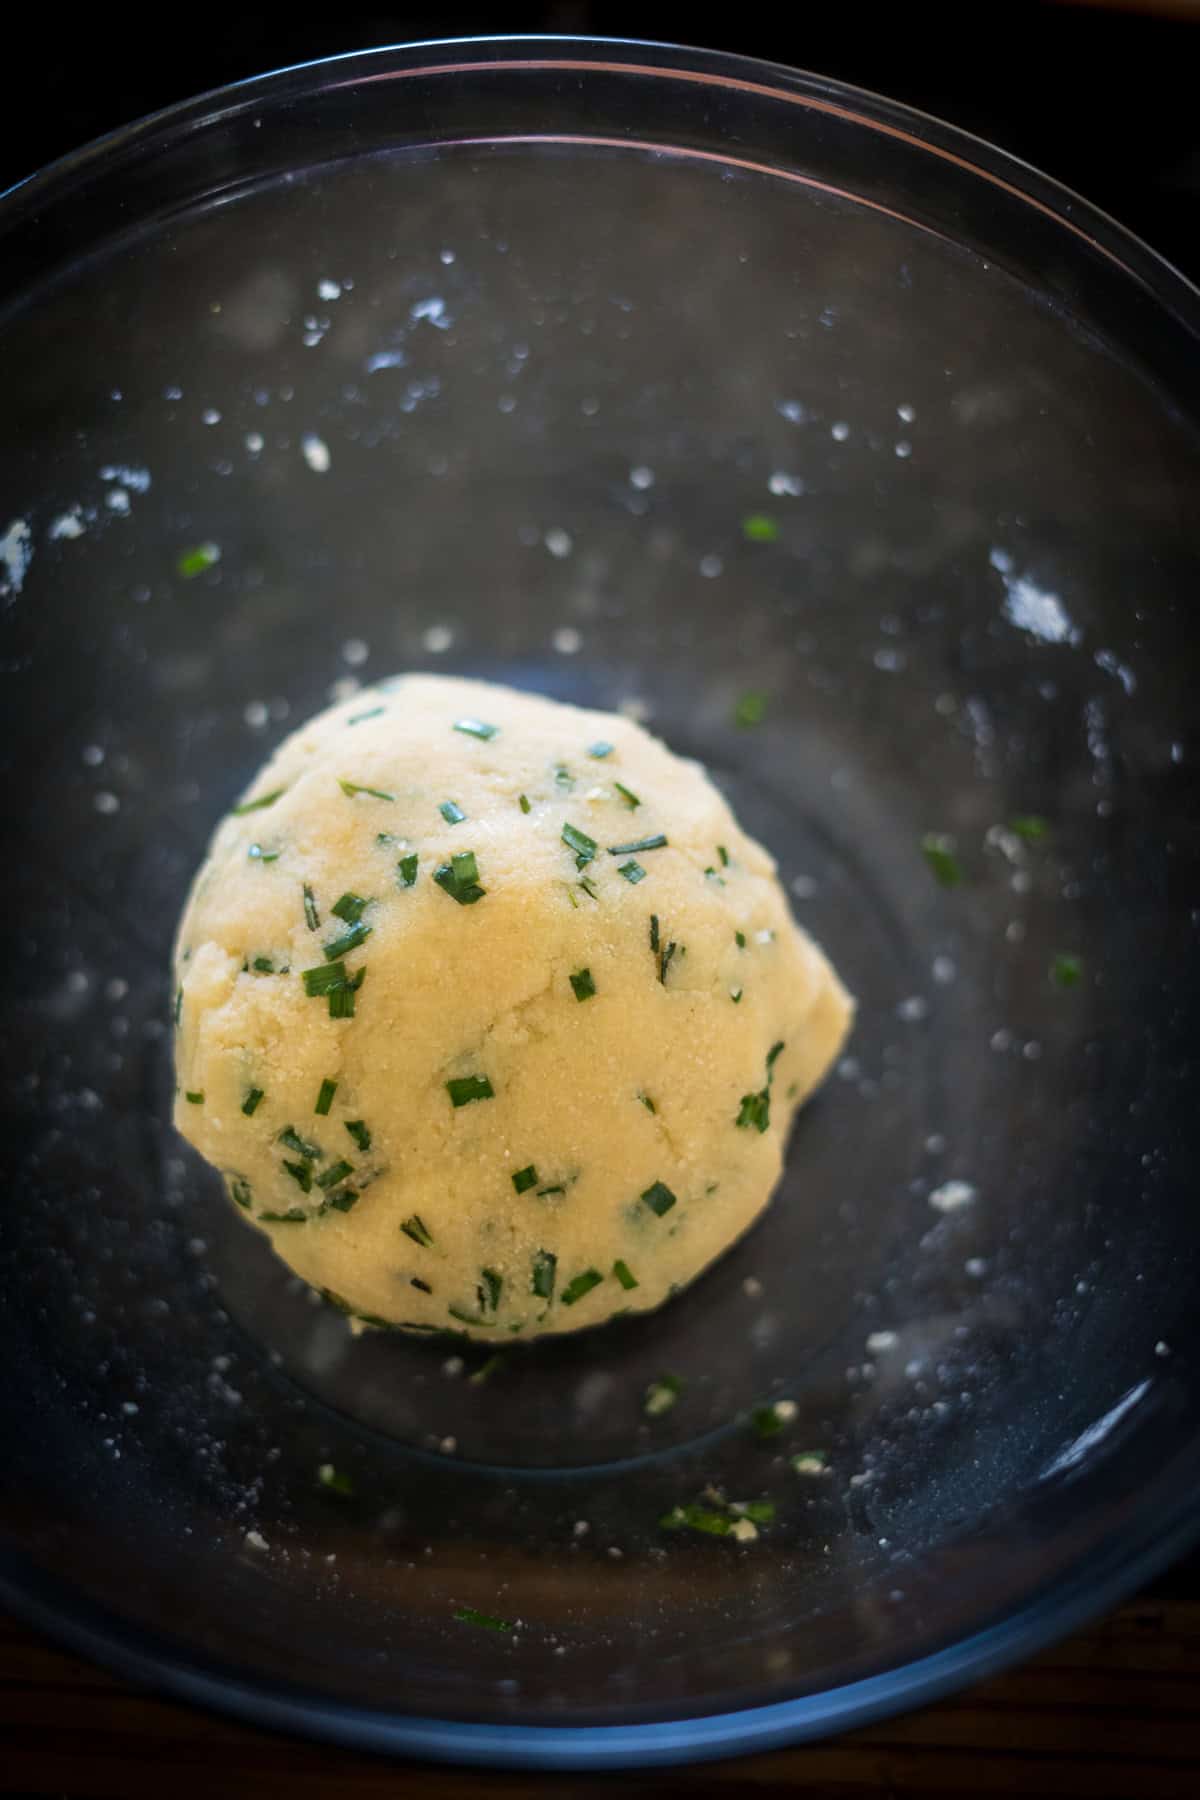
{"type": "Point", "coordinates": [1114, 1711]}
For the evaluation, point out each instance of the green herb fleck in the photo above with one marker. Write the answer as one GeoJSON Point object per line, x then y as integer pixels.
{"type": "Point", "coordinates": [735, 994]}
{"type": "Point", "coordinates": [654, 934]}
{"type": "Point", "coordinates": [350, 907]}
{"type": "Point", "coordinates": [624, 1275]}
{"type": "Point", "coordinates": [723, 853]}
{"type": "Point", "coordinates": [697, 1518]}
{"type": "Point", "coordinates": [349, 940]}
{"type": "Point", "coordinates": [467, 1615]}
{"type": "Point", "coordinates": [335, 1173]}
{"type": "Point", "coordinates": [475, 728]}
{"type": "Point", "coordinates": [632, 871]}
{"type": "Point", "coordinates": [579, 1285]}
{"type": "Point", "coordinates": [469, 1087]}
{"type": "Point", "coordinates": [359, 1132]}
{"type": "Point", "coordinates": [585, 847]}
{"type": "Point", "coordinates": [196, 1099]}
{"type": "Point", "coordinates": [487, 1369]}
{"type": "Point", "coordinates": [342, 1201]}
{"type": "Point", "coordinates": [1066, 971]}
{"type": "Point", "coordinates": [739, 938]}
{"type": "Point", "coordinates": [323, 980]}
{"type": "Point", "coordinates": [295, 1215]}
{"type": "Point", "coordinates": [661, 1396]}
{"type": "Point", "coordinates": [664, 961]}
{"type": "Point", "coordinates": [334, 1481]}
{"type": "Point", "coordinates": [809, 1462]}
{"type": "Point", "coordinates": [178, 1006]}
{"type": "Point", "coordinates": [406, 871]}
{"type": "Point", "coordinates": [289, 1138]}
{"type": "Point", "coordinates": [239, 1190]}
{"type": "Point", "coordinates": [631, 800]}
{"type": "Point", "coordinates": [195, 561]}
{"type": "Point", "coordinates": [759, 1512]}
{"type": "Point", "coordinates": [262, 965]}
{"type": "Point", "coordinates": [659, 1198]}
{"type": "Point", "coordinates": [312, 917]}
{"type": "Point", "coordinates": [768, 1421]}
{"type": "Point", "coordinates": [256, 853]}
{"type": "Point", "coordinates": [563, 778]}
{"type": "Point", "coordinates": [423, 1286]}
{"type": "Point", "coordinates": [749, 710]}
{"type": "Point", "coordinates": [525, 803]}
{"type": "Point", "coordinates": [648, 1103]}
{"type": "Point", "coordinates": [772, 1054]}
{"type": "Point", "coordinates": [468, 1318]}
{"type": "Point", "coordinates": [600, 750]}
{"type": "Point", "coordinates": [341, 999]}
{"type": "Point", "coordinates": [372, 712]}
{"type": "Point", "coordinates": [488, 1291]}
{"type": "Point", "coordinates": [351, 788]}
{"type": "Point", "coordinates": [758, 528]}
{"type": "Point", "coordinates": [301, 1173]}
{"type": "Point", "coordinates": [325, 1096]}
{"type": "Point", "coordinates": [452, 812]}
{"type": "Point", "coordinates": [544, 1193]}
{"type": "Point", "coordinates": [657, 842]}
{"type": "Point", "coordinates": [755, 1110]}
{"type": "Point", "coordinates": [460, 878]}
{"type": "Point", "coordinates": [250, 1103]}
{"type": "Point", "coordinates": [1030, 826]}
{"type": "Point", "coordinates": [525, 1178]}
{"type": "Point", "coordinates": [544, 1265]}
{"type": "Point", "coordinates": [938, 851]}
{"type": "Point", "coordinates": [416, 1229]}
{"type": "Point", "coordinates": [582, 985]}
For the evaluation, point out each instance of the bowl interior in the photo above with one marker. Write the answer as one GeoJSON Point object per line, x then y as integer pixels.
{"type": "Point", "coordinates": [663, 424]}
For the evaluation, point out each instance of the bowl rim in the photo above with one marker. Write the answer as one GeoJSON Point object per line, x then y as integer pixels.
{"type": "Point", "coordinates": [1148, 1543]}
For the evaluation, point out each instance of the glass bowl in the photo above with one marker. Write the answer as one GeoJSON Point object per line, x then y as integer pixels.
{"type": "Point", "coordinates": [862, 462]}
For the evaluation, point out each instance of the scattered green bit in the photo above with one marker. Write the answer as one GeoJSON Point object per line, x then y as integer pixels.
{"type": "Point", "coordinates": [350, 908]}
{"type": "Point", "coordinates": [295, 1215]}
{"type": "Point", "coordinates": [334, 1481]}
{"type": "Point", "coordinates": [343, 1200]}
{"type": "Point", "coordinates": [648, 1103]}
{"type": "Point", "coordinates": [312, 917]}
{"type": "Point", "coordinates": [723, 853]}
{"type": "Point", "coordinates": [323, 980]}
{"type": "Point", "coordinates": [372, 712]}
{"type": "Point", "coordinates": [585, 847]}
{"type": "Point", "coordinates": [664, 961]}
{"type": "Point", "coordinates": [631, 800]}
{"type": "Point", "coordinates": [460, 878]}
{"type": "Point", "coordinates": [351, 788]}
{"type": "Point", "coordinates": [291, 1140]}
{"type": "Point", "coordinates": [809, 1462]}
{"type": "Point", "coordinates": [349, 940]}
{"type": "Point", "coordinates": [256, 853]}
{"type": "Point", "coordinates": [772, 1054]}
{"type": "Point", "coordinates": [525, 803]}
{"type": "Point", "coordinates": [359, 1132]}
{"type": "Point", "coordinates": [475, 728]}
{"type": "Point", "coordinates": [758, 528]}
{"type": "Point", "coordinates": [632, 871]}
{"type": "Point", "coordinates": [301, 1174]}
{"type": "Point", "coordinates": [697, 1518]}
{"type": "Point", "coordinates": [468, 1318]}
{"type": "Point", "coordinates": [750, 709]}
{"type": "Point", "coordinates": [525, 1178]}
{"type": "Point", "coordinates": [325, 1096]}
{"type": "Point", "coordinates": [423, 1286]}
{"type": "Point", "coordinates": [600, 750]}
{"type": "Point", "coordinates": [624, 1275]}
{"type": "Point", "coordinates": [335, 1173]}
{"type": "Point", "coordinates": [250, 1103]}
{"type": "Point", "coordinates": [467, 1615]}
{"type": "Point", "coordinates": [544, 1193]}
{"type": "Point", "coordinates": [654, 934]}
{"type": "Point", "coordinates": [1066, 971]}
{"type": "Point", "coordinates": [416, 1229]}
{"type": "Point", "coordinates": [488, 1291]}
{"type": "Point", "coordinates": [544, 1265]}
{"type": "Point", "coordinates": [659, 1198]}
{"type": "Point", "coordinates": [239, 1190]}
{"type": "Point", "coordinates": [466, 1088]}
{"type": "Point", "coordinates": [262, 965]}
{"type": "Point", "coordinates": [406, 871]}
{"type": "Point", "coordinates": [178, 1006]}
{"type": "Point", "coordinates": [563, 778]}
{"type": "Point", "coordinates": [712, 875]}
{"type": "Point", "coordinates": [755, 1110]}
{"type": "Point", "coordinates": [739, 938]}
{"type": "Point", "coordinates": [579, 1285]}
{"type": "Point", "coordinates": [735, 994]}
{"type": "Point", "coordinates": [769, 1420]}
{"type": "Point", "coordinates": [452, 812]}
{"type": "Point", "coordinates": [487, 1369]}
{"type": "Point", "coordinates": [341, 999]}
{"type": "Point", "coordinates": [1030, 826]}
{"type": "Point", "coordinates": [195, 561]}
{"type": "Point", "coordinates": [661, 1396]}
{"type": "Point", "coordinates": [657, 842]}
{"type": "Point", "coordinates": [938, 851]}
{"type": "Point", "coordinates": [759, 1512]}
{"type": "Point", "coordinates": [582, 985]}
{"type": "Point", "coordinates": [196, 1099]}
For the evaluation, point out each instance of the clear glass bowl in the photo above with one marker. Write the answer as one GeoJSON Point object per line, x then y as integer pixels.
{"type": "Point", "coordinates": [479, 357]}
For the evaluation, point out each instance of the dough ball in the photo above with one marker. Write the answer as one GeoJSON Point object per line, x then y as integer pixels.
{"type": "Point", "coordinates": [490, 1014]}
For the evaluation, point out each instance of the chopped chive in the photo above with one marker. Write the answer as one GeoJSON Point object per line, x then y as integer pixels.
{"type": "Point", "coordinates": [415, 1281]}
{"type": "Point", "coordinates": [349, 940]}
{"type": "Point", "coordinates": [585, 847]}
{"type": "Point", "coordinates": [755, 1110]}
{"type": "Point", "coordinates": [196, 560]}
{"type": "Point", "coordinates": [336, 1172]}
{"type": "Point", "coordinates": [289, 1138]}
{"type": "Point", "coordinates": [460, 878]}
{"type": "Point", "coordinates": [262, 965]}
{"type": "Point", "coordinates": [323, 980]}
{"type": "Point", "coordinates": [416, 1229]}
{"type": "Point", "coordinates": [659, 1198]}
{"type": "Point", "coordinates": [632, 871]}
{"type": "Point", "coordinates": [579, 1285]}
{"type": "Point", "coordinates": [295, 1215]}
{"type": "Point", "coordinates": [657, 842]}
{"type": "Point", "coordinates": [525, 1178]}
{"type": "Point", "coordinates": [301, 1174]}
{"type": "Point", "coordinates": [488, 1291]}
{"type": "Point", "coordinates": [1030, 826]}
{"type": "Point", "coordinates": [178, 1006]}
{"type": "Point", "coordinates": [239, 1190]}
{"type": "Point", "coordinates": [196, 1099]}
{"type": "Point", "coordinates": [350, 907]}
{"type": "Point", "coordinates": [525, 803]}
{"type": "Point", "coordinates": [544, 1265]}
{"type": "Point", "coordinates": [772, 1053]}
{"type": "Point", "coordinates": [735, 994]}
{"type": "Point", "coordinates": [750, 709]}
{"type": "Point", "coordinates": [372, 712]}
{"type": "Point", "coordinates": [600, 750]}
{"type": "Point", "coordinates": [256, 853]}
{"type": "Point", "coordinates": [452, 812]}
{"type": "Point", "coordinates": [571, 897]}
{"type": "Point", "coordinates": [1066, 971]}
{"type": "Point", "coordinates": [664, 961]}
{"type": "Point", "coordinates": [624, 1275]}
{"type": "Point", "coordinates": [631, 800]}
{"type": "Point", "coordinates": [406, 871]}
{"type": "Point", "coordinates": [312, 917]}
{"type": "Point", "coordinates": [758, 528]}
{"type": "Point", "coordinates": [563, 778]}
{"type": "Point", "coordinates": [739, 938]}
{"type": "Point", "coordinates": [697, 1518]}
{"type": "Point", "coordinates": [582, 985]}
{"type": "Point", "coordinates": [467, 1318]}
{"type": "Point", "coordinates": [250, 1103]}
{"type": "Point", "coordinates": [661, 1396]}
{"type": "Point", "coordinates": [713, 876]}
{"type": "Point", "coordinates": [759, 1512]}
{"type": "Point", "coordinates": [589, 887]}
{"type": "Point", "coordinates": [466, 1088]}
{"type": "Point", "coordinates": [938, 851]}
{"type": "Point", "coordinates": [341, 999]}
{"type": "Point", "coordinates": [259, 805]}
{"type": "Point", "coordinates": [654, 933]}
{"type": "Point", "coordinates": [475, 728]}
{"type": "Point", "coordinates": [350, 788]}
{"type": "Point", "coordinates": [325, 1096]}
{"type": "Point", "coordinates": [336, 1482]}
{"type": "Point", "coordinates": [468, 1615]}
{"type": "Point", "coordinates": [769, 1420]}
{"type": "Point", "coordinates": [648, 1103]}
{"type": "Point", "coordinates": [487, 1369]}
{"type": "Point", "coordinates": [544, 1193]}
{"type": "Point", "coordinates": [723, 853]}
{"type": "Point", "coordinates": [343, 1200]}
{"type": "Point", "coordinates": [359, 1132]}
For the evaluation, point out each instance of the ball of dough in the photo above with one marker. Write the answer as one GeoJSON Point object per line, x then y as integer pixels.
{"type": "Point", "coordinates": [490, 1013]}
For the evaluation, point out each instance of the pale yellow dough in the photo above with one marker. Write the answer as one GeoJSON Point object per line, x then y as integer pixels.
{"type": "Point", "coordinates": [626, 1103]}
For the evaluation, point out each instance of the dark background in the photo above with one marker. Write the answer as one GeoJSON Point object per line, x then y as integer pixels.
{"type": "Point", "coordinates": [1103, 97]}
